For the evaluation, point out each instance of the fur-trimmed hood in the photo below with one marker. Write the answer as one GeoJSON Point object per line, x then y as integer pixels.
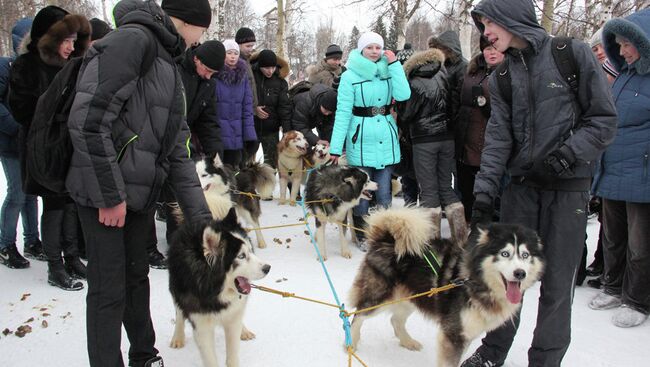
{"type": "Point", "coordinates": [476, 64]}
{"type": "Point", "coordinates": [428, 61]}
{"type": "Point", "coordinates": [235, 75]}
{"type": "Point", "coordinates": [636, 29]}
{"type": "Point", "coordinates": [366, 68]}
{"type": "Point", "coordinates": [283, 66]}
{"type": "Point", "coordinates": [48, 45]}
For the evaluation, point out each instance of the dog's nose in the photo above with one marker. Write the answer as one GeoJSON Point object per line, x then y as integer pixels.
{"type": "Point", "coordinates": [266, 268]}
{"type": "Point", "coordinates": [519, 274]}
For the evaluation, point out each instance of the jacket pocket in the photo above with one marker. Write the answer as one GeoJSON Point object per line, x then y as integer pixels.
{"type": "Point", "coordinates": [356, 134]}
{"type": "Point", "coordinates": [122, 149]}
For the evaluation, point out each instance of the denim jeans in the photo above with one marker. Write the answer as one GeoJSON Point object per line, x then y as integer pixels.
{"type": "Point", "coordinates": [17, 203]}
{"type": "Point", "coordinates": [383, 195]}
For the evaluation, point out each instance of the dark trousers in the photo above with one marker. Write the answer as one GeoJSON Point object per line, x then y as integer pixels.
{"type": "Point", "coordinates": [59, 226]}
{"type": "Point", "coordinates": [560, 219]}
{"type": "Point", "coordinates": [434, 163]}
{"type": "Point", "coordinates": [466, 177]}
{"type": "Point", "coordinates": [234, 158]}
{"type": "Point", "coordinates": [269, 148]}
{"type": "Point", "coordinates": [118, 289]}
{"type": "Point", "coordinates": [410, 190]}
{"type": "Point", "coordinates": [626, 250]}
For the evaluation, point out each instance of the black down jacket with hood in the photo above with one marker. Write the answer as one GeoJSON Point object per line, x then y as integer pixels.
{"type": "Point", "coordinates": [307, 116]}
{"type": "Point", "coordinates": [424, 115]}
{"type": "Point", "coordinates": [120, 123]}
{"type": "Point", "coordinates": [545, 115]}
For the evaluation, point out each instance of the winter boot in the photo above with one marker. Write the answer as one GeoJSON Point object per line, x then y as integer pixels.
{"type": "Point", "coordinates": [157, 260]}
{"type": "Point", "coordinates": [34, 251]}
{"type": "Point", "coordinates": [10, 257]}
{"type": "Point", "coordinates": [477, 360]}
{"type": "Point", "coordinates": [457, 225]}
{"type": "Point", "coordinates": [154, 362]}
{"type": "Point", "coordinates": [627, 317]}
{"type": "Point", "coordinates": [58, 277]}
{"type": "Point", "coordinates": [75, 268]}
{"type": "Point", "coordinates": [604, 301]}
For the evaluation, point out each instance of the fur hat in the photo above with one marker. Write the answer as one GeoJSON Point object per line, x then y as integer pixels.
{"type": "Point", "coordinates": [245, 35]}
{"type": "Point", "coordinates": [194, 12]}
{"type": "Point", "coordinates": [267, 58]}
{"type": "Point", "coordinates": [212, 54]}
{"type": "Point", "coordinates": [99, 29]}
{"type": "Point", "coordinates": [369, 38]}
{"type": "Point", "coordinates": [328, 100]}
{"type": "Point", "coordinates": [44, 19]}
{"type": "Point", "coordinates": [230, 44]}
{"type": "Point", "coordinates": [71, 24]}
{"type": "Point", "coordinates": [333, 51]}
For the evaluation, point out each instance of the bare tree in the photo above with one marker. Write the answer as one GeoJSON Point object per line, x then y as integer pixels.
{"type": "Point", "coordinates": [418, 32]}
{"type": "Point", "coordinates": [466, 26]}
{"type": "Point", "coordinates": [547, 15]}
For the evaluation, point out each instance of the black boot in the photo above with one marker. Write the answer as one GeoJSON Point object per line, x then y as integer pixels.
{"type": "Point", "coordinates": [75, 268]}
{"type": "Point", "coordinates": [10, 257]}
{"type": "Point", "coordinates": [34, 251]}
{"type": "Point", "coordinates": [154, 362]}
{"type": "Point", "coordinates": [58, 277]}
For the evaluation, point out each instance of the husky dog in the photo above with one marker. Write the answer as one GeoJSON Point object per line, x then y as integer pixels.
{"type": "Point", "coordinates": [223, 187]}
{"type": "Point", "coordinates": [403, 259]}
{"type": "Point", "coordinates": [211, 265]}
{"type": "Point", "coordinates": [345, 186]}
{"type": "Point", "coordinates": [318, 154]}
{"type": "Point", "coordinates": [291, 150]}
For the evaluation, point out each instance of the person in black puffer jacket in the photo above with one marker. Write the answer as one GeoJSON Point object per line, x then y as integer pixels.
{"type": "Point", "coordinates": [314, 109]}
{"type": "Point", "coordinates": [272, 93]}
{"type": "Point", "coordinates": [425, 117]}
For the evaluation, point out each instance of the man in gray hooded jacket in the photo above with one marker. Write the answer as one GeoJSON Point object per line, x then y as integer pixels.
{"type": "Point", "coordinates": [129, 135]}
{"type": "Point", "coordinates": [547, 139]}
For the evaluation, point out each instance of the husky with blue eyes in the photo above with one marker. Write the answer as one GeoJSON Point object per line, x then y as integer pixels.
{"type": "Point", "coordinates": [211, 267]}
{"type": "Point", "coordinates": [407, 257]}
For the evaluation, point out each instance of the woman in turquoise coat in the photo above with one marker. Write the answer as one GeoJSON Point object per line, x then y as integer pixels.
{"type": "Point", "coordinates": [363, 124]}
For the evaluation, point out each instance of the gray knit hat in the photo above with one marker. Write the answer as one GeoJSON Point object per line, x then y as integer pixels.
{"type": "Point", "coordinates": [597, 38]}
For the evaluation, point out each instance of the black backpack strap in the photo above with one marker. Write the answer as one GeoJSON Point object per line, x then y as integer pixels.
{"type": "Point", "coordinates": [504, 81]}
{"type": "Point", "coordinates": [562, 50]}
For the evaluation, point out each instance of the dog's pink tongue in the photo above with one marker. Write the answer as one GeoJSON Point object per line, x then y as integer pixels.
{"type": "Point", "coordinates": [242, 284]}
{"type": "Point", "coordinates": [513, 292]}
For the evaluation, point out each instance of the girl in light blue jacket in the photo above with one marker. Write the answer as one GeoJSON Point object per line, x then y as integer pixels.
{"type": "Point", "coordinates": [363, 124]}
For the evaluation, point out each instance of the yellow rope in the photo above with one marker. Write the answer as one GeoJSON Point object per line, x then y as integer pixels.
{"type": "Point", "coordinates": [428, 293]}
{"type": "Point", "coordinates": [352, 354]}
{"type": "Point", "coordinates": [301, 223]}
{"type": "Point", "coordinates": [292, 295]}
{"type": "Point", "coordinates": [324, 219]}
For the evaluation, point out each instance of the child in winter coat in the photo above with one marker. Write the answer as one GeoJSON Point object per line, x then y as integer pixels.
{"type": "Point", "coordinates": [363, 121]}
{"type": "Point", "coordinates": [235, 106]}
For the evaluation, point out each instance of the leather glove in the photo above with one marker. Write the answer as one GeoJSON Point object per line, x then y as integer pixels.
{"type": "Point", "coordinates": [560, 161]}
{"type": "Point", "coordinates": [482, 210]}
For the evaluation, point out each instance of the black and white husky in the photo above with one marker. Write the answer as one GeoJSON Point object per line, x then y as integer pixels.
{"type": "Point", "coordinates": [211, 265]}
{"type": "Point", "coordinates": [404, 259]}
{"type": "Point", "coordinates": [345, 186]}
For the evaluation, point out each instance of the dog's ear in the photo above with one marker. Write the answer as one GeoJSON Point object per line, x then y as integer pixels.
{"type": "Point", "coordinates": [212, 249]}
{"type": "Point", "coordinates": [231, 219]}
{"type": "Point", "coordinates": [350, 180]}
{"type": "Point", "coordinates": [483, 236]}
{"type": "Point", "coordinates": [217, 161]}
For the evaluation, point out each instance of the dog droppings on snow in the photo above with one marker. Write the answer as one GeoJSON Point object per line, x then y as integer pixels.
{"type": "Point", "coordinates": [24, 297]}
{"type": "Point", "coordinates": [281, 280]}
{"type": "Point", "coordinates": [66, 315]}
{"type": "Point", "coordinates": [31, 319]}
{"type": "Point", "coordinates": [285, 216]}
{"type": "Point", "coordinates": [6, 332]}
{"type": "Point", "coordinates": [22, 330]}
{"type": "Point", "coordinates": [288, 240]}
{"type": "Point", "coordinates": [306, 232]}
{"type": "Point", "coordinates": [45, 314]}
{"type": "Point", "coordinates": [277, 240]}
{"type": "Point", "coordinates": [44, 324]}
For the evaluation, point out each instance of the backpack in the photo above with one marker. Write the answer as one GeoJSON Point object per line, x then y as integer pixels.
{"type": "Point", "coordinates": [48, 148]}
{"type": "Point", "coordinates": [564, 58]}
{"type": "Point", "coordinates": [300, 87]}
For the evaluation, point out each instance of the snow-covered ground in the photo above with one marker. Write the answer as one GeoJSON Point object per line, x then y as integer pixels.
{"type": "Point", "coordinates": [289, 332]}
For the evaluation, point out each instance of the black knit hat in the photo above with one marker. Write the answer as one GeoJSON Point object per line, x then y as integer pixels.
{"type": "Point", "coordinates": [328, 100]}
{"type": "Point", "coordinates": [212, 54]}
{"type": "Point", "coordinates": [194, 12]}
{"type": "Point", "coordinates": [483, 43]}
{"type": "Point", "coordinates": [267, 58]}
{"type": "Point", "coordinates": [99, 29]}
{"type": "Point", "coordinates": [44, 19]}
{"type": "Point", "coordinates": [333, 51]}
{"type": "Point", "coordinates": [245, 35]}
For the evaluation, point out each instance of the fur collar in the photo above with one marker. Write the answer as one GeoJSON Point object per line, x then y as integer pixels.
{"type": "Point", "coordinates": [48, 45]}
{"type": "Point", "coordinates": [283, 69]}
{"type": "Point", "coordinates": [365, 68]}
{"type": "Point", "coordinates": [634, 28]}
{"type": "Point", "coordinates": [419, 59]}
{"type": "Point", "coordinates": [477, 64]}
{"type": "Point", "coordinates": [234, 76]}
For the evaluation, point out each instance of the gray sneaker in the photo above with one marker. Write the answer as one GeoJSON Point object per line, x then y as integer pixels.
{"type": "Point", "coordinates": [604, 301]}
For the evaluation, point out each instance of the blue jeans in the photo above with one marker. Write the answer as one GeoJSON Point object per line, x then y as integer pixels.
{"type": "Point", "coordinates": [17, 203]}
{"type": "Point", "coordinates": [383, 195]}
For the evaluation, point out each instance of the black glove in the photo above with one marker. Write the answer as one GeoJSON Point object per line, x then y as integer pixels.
{"type": "Point", "coordinates": [560, 161]}
{"type": "Point", "coordinates": [482, 211]}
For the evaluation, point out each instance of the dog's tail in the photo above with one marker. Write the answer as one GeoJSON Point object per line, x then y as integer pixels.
{"type": "Point", "coordinates": [263, 177]}
{"type": "Point", "coordinates": [411, 228]}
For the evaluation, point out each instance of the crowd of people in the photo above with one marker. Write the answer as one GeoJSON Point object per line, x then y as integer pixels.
{"type": "Point", "coordinates": [503, 137]}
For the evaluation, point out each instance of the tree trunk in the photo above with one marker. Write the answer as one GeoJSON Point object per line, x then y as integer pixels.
{"type": "Point", "coordinates": [279, 40]}
{"type": "Point", "coordinates": [466, 27]}
{"type": "Point", "coordinates": [106, 18]}
{"type": "Point", "coordinates": [547, 15]}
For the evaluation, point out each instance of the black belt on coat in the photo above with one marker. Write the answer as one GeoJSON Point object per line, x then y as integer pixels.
{"type": "Point", "coordinates": [371, 111]}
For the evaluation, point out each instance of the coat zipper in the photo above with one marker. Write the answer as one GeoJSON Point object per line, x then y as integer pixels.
{"type": "Point", "coordinates": [531, 109]}
{"type": "Point", "coordinates": [393, 138]}
{"type": "Point", "coordinates": [363, 119]}
{"type": "Point", "coordinates": [645, 167]}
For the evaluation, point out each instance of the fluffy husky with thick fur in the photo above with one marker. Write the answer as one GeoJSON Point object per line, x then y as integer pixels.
{"type": "Point", "coordinates": [211, 265]}
{"type": "Point", "coordinates": [404, 259]}
{"type": "Point", "coordinates": [224, 187]}
{"type": "Point", "coordinates": [291, 150]}
{"type": "Point", "coordinates": [345, 186]}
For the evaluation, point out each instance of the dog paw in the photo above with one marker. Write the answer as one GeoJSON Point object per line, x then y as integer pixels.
{"type": "Point", "coordinates": [411, 344]}
{"type": "Point", "coordinates": [347, 254]}
{"type": "Point", "coordinates": [292, 203]}
{"type": "Point", "coordinates": [247, 335]}
{"type": "Point", "coordinates": [177, 343]}
{"type": "Point", "coordinates": [324, 258]}
{"type": "Point", "coordinates": [261, 244]}
{"type": "Point", "coordinates": [282, 201]}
